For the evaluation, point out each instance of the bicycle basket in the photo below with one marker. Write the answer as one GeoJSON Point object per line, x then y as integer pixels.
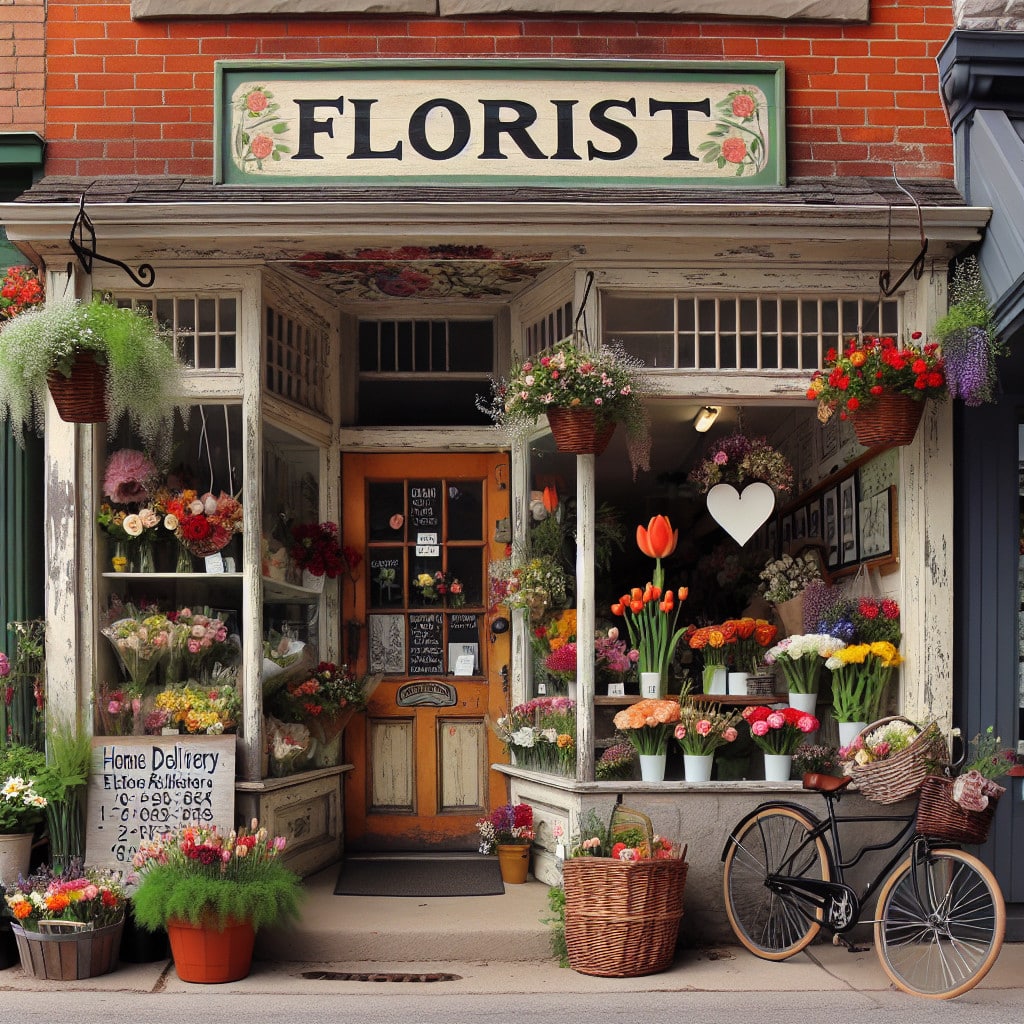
{"type": "Point", "coordinates": [940, 817]}
{"type": "Point", "coordinates": [899, 776]}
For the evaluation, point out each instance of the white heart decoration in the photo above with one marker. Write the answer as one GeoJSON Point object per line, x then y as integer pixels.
{"type": "Point", "coordinates": [738, 514]}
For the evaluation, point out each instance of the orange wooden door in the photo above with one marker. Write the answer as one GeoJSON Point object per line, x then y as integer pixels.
{"type": "Point", "coordinates": [423, 750]}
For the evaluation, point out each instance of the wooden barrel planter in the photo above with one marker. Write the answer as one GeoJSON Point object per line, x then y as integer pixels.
{"type": "Point", "coordinates": [71, 955]}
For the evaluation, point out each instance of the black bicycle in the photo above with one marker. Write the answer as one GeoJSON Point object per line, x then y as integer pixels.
{"type": "Point", "coordinates": [940, 916]}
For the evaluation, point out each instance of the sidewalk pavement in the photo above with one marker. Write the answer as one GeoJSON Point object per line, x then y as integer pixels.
{"type": "Point", "coordinates": [344, 943]}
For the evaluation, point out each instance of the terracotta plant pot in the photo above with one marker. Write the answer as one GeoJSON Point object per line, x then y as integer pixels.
{"type": "Point", "coordinates": [514, 861]}
{"type": "Point", "coordinates": [207, 955]}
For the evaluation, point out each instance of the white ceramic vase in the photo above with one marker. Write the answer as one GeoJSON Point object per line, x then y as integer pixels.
{"type": "Point", "coordinates": [738, 684]}
{"type": "Point", "coordinates": [652, 767]}
{"type": "Point", "coordinates": [312, 582]}
{"type": "Point", "coordinates": [15, 853]}
{"type": "Point", "coordinates": [715, 677]}
{"type": "Point", "coordinates": [777, 767]}
{"type": "Point", "coordinates": [697, 767]}
{"type": "Point", "coordinates": [805, 702]}
{"type": "Point", "coordinates": [650, 685]}
{"type": "Point", "coordinates": [848, 732]}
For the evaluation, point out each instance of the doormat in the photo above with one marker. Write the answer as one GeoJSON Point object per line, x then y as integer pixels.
{"type": "Point", "coordinates": [427, 875]}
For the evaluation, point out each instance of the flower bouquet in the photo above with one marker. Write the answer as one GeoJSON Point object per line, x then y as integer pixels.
{"type": "Point", "coordinates": [716, 645]}
{"type": "Point", "coordinates": [317, 550]}
{"type": "Point", "coordinates": [573, 378]}
{"type": "Point", "coordinates": [862, 621]}
{"type": "Point", "coordinates": [507, 825]}
{"type": "Point", "coordinates": [815, 759]}
{"type": "Point", "coordinates": [787, 577]}
{"type": "Point", "coordinates": [779, 731]}
{"type": "Point", "coordinates": [536, 585]}
{"type": "Point", "coordinates": [288, 745]}
{"type": "Point", "coordinates": [613, 660]}
{"type": "Point", "coordinates": [801, 658]}
{"type": "Point", "coordinates": [541, 734]}
{"type": "Point", "coordinates": [648, 724]}
{"type": "Point", "coordinates": [141, 641]}
{"type": "Point", "coordinates": [860, 674]}
{"type": "Point", "coordinates": [199, 641]}
{"type": "Point", "coordinates": [740, 460]}
{"type": "Point", "coordinates": [21, 807]}
{"type": "Point", "coordinates": [194, 710]}
{"type": "Point", "coordinates": [203, 524]}
{"type": "Point", "coordinates": [702, 730]}
{"type": "Point", "coordinates": [651, 612]}
{"type": "Point", "coordinates": [615, 763]}
{"type": "Point", "coordinates": [440, 586]}
{"type": "Point", "coordinates": [20, 289]}
{"type": "Point", "coordinates": [753, 637]}
{"type": "Point", "coordinates": [118, 710]}
{"type": "Point", "coordinates": [325, 701]}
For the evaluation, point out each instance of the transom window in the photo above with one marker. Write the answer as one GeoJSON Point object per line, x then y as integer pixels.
{"type": "Point", "coordinates": [740, 332]}
{"type": "Point", "coordinates": [205, 328]}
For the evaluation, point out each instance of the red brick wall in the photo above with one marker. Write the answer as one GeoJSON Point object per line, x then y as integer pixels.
{"type": "Point", "coordinates": [137, 98]}
{"type": "Point", "coordinates": [21, 65]}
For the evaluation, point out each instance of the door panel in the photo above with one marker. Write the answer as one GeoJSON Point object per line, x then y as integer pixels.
{"type": "Point", "coordinates": [421, 754]}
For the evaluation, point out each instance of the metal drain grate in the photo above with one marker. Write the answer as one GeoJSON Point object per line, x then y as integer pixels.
{"type": "Point", "coordinates": [377, 976]}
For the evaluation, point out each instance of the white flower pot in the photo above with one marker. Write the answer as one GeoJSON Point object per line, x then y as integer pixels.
{"type": "Point", "coordinates": [777, 767]}
{"type": "Point", "coordinates": [697, 767]}
{"type": "Point", "coordinates": [848, 732]}
{"type": "Point", "coordinates": [715, 679]}
{"type": "Point", "coordinates": [650, 685]}
{"type": "Point", "coordinates": [311, 582]}
{"type": "Point", "coordinates": [738, 684]}
{"type": "Point", "coordinates": [15, 853]}
{"type": "Point", "coordinates": [805, 702]}
{"type": "Point", "coordinates": [652, 767]}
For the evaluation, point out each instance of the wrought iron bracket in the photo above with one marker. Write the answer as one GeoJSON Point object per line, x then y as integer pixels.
{"type": "Point", "coordinates": [917, 267]}
{"type": "Point", "coordinates": [83, 242]}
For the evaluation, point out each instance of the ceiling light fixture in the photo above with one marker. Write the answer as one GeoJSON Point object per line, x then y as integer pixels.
{"type": "Point", "coordinates": [706, 418]}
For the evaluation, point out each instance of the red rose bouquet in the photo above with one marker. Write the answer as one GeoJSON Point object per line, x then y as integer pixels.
{"type": "Point", "coordinates": [316, 549]}
{"type": "Point", "coordinates": [779, 731]}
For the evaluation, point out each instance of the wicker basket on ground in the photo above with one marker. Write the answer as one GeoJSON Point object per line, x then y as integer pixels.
{"type": "Point", "coordinates": [900, 775]}
{"type": "Point", "coordinates": [622, 917]}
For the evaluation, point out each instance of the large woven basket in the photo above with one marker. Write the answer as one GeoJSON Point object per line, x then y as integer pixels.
{"type": "Point", "coordinates": [899, 776]}
{"type": "Point", "coordinates": [890, 419]}
{"type": "Point", "coordinates": [940, 817]}
{"type": "Point", "coordinates": [82, 397]}
{"type": "Point", "coordinates": [621, 917]}
{"type": "Point", "coordinates": [578, 431]}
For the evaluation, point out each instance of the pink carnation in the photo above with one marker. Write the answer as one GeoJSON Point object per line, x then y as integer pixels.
{"type": "Point", "coordinates": [128, 477]}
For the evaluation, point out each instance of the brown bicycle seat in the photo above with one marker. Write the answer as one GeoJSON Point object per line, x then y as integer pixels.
{"type": "Point", "coordinates": [825, 783]}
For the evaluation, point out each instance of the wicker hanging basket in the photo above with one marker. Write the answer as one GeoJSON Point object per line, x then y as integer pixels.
{"type": "Point", "coordinates": [578, 431]}
{"type": "Point", "coordinates": [941, 818]}
{"type": "Point", "coordinates": [622, 917]}
{"type": "Point", "coordinates": [890, 419]}
{"type": "Point", "coordinates": [897, 777]}
{"type": "Point", "coordinates": [82, 397]}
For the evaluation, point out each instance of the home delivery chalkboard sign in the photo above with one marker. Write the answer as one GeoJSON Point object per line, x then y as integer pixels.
{"type": "Point", "coordinates": [426, 644]}
{"type": "Point", "coordinates": [143, 786]}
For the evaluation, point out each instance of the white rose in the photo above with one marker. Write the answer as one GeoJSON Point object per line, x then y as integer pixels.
{"type": "Point", "coordinates": [132, 525]}
{"type": "Point", "coordinates": [170, 522]}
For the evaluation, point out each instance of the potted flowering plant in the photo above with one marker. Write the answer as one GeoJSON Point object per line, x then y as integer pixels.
{"type": "Point", "coordinates": [753, 637]}
{"type": "Point", "coordinates": [801, 658]}
{"type": "Point", "coordinates": [541, 734]}
{"type": "Point", "coordinates": [68, 925]}
{"type": "Point", "coordinates": [651, 612]}
{"type": "Point", "coordinates": [212, 891]}
{"type": "Point", "coordinates": [860, 674]}
{"type": "Point", "coordinates": [881, 385]}
{"type": "Point", "coordinates": [648, 724]}
{"type": "Point", "coordinates": [783, 582]}
{"type": "Point", "coordinates": [700, 732]}
{"type": "Point", "coordinates": [98, 360]}
{"type": "Point", "coordinates": [616, 762]}
{"type": "Point", "coordinates": [508, 831]}
{"type": "Point", "coordinates": [583, 391]}
{"type": "Point", "coordinates": [20, 290]}
{"type": "Point", "coordinates": [317, 551]}
{"type": "Point", "coordinates": [716, 644]}
{"type": "Point", "coordinates": [778, 732]}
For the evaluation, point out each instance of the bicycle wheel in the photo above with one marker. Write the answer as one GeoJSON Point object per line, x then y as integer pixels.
{"type": "Point", "coordinates": [940, 923]}
{"type": "Point", "coordinates": [775, 840]}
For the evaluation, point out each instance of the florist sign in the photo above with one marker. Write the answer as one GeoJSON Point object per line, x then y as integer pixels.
{"type": "Point", "coordinates": [497, 122]}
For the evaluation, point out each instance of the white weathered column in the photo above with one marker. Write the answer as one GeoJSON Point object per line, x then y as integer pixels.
{"type": "Point", "coordinates": [586, 504]}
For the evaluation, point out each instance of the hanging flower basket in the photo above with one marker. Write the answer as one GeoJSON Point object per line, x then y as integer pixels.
{"type": "Point", "coordinates": [578, 432]}
{"type": "Point", "coordinates": [82, 397]}
{"type": "Point", "coordinates": [891, 419]}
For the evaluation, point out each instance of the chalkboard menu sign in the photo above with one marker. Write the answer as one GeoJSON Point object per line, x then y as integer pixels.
{"type": "Point", "coordinates": [143, 786]}
{"type": "Point", "coordinates": [426, 644]}
{"type": "Point", "coordinates": [425, 505]}
{"type": "Point", "coordinates": [463, 628]}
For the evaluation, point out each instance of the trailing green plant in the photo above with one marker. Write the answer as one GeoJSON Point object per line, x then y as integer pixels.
{"type": "Point", "coordinates": [969, 337]}
{"type": "Point", "coordinates": [63, 783]}
{"type": "Point", "coordinates": [197, 873]}
{"type": "Point", "coordinates": [143, 373]}
{"type": "Point", "coordinates": [556, 922]}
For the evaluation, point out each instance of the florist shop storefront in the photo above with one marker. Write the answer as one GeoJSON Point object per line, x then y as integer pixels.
{"type": "Point", "coordinates": [339, 335]}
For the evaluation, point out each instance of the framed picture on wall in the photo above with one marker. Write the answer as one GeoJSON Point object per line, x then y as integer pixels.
{"type": "Point", "coordinates": [830, 526]}
{"type": "Point", "coordinates": [876, 525]}
{"type": "Point", "coordinates": [814, 528]}
{"type": "Point", "coordinates": [849, 546]}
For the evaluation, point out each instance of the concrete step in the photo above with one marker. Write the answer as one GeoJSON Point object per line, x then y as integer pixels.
{"type": "Point", "coordinates": [507, 928]}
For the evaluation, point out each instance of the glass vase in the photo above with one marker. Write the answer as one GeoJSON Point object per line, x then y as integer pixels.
{"type": "Point", "coordinates": [184, 563]}
{"type": "Point", "coordinates": [146, 562]}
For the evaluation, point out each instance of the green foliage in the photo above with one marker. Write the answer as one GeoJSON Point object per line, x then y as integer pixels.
{"type": "Point", "coordinates": [142, 370]}
{"type": "Point", "coordinates": [68, 757]}
{"type": "Point", "coordinates": [21, 761]}
{"type": "Point", "coordinates": [556, 921]}
{"type": "Point", "coordinates": [165, 893]}
{"type": "Point", "coordinates": [969, 305]}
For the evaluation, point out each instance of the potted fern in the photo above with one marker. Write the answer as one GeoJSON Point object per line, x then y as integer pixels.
{"type": "Point", "coordinates": [212, 892]}
{"type": "Point", "coordinates": [98, 361]}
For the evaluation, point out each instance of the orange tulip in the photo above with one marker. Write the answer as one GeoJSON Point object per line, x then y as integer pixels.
{"type": "Point", "coordinates": [658, 540]}
{"type": "Point", "coordinates": [618, 608]}
{"type": "Point", "coordinates": [550, 500]}
{"type": "Point", "coordinates": [683, 593]}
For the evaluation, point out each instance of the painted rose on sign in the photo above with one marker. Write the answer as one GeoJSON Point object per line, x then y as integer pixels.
{"type": "Point", "coordinates": [738, 136]}
{"type": "Point", "coordinates": [257, 127]}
